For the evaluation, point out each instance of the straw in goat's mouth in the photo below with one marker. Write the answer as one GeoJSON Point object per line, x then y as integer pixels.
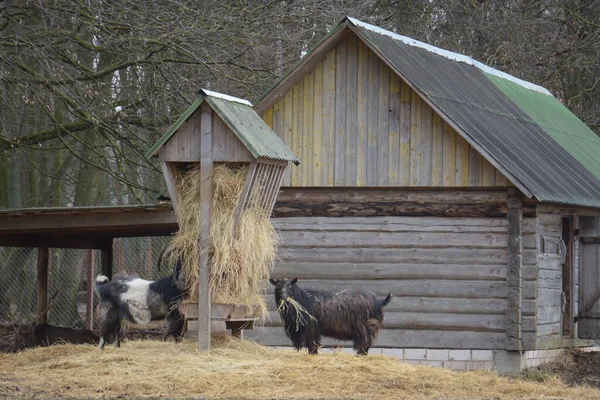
{"type": "Point", "coordinates": [301, 312]}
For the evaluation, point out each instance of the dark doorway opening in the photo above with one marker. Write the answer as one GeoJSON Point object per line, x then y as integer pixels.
{"type": "Point", "coordinates": [567, 281]}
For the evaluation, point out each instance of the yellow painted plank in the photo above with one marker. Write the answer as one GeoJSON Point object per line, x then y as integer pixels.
{"type": "Point", "coordinates": [489, 174]}
{"type": "Point", "coordinates": [405, 133]}
{"type": "Point", "coordinates": [383, 125]}
{"type": "Point", "coordinates": [501, 180]}
{"type": "Point", "coordinates": [372, 119]}
{"type": "Point", "coordinates": [394, 131]}
{"type": "Point", "coordinates": [297, 132]}
{"type": "Point", "coordinates": [307, 127]}
{"type": "Point", "coordinates": [426, 144]}
{"type": "Point", "coordinates": [415, 139]}
{"type": "Point", "coordinates": [462, 161]}
{"type": "Point", "coordinates": [449, 155]}
{"type": "Point", "coordinates": [342, 105]}
{"type": "Point", "coordinates": [268, 117]}
{"type": "Point", "coordinates": [475, 167]}
{"type": "Point", "coordinates": [437, 146]}
{"type": "Point", "coordinates": [288, 134]}
{"type": "Point", "coordinates": [317, 131]}
{"type": "Point", "coordinates": [362, 97]}
{"type": "Point", "coordinates": [328, 153]}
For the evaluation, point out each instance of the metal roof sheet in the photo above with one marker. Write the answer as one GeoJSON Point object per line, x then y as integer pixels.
{"type": "Point", "coordinates": [488, 119]}
{"type": "Point", "coordinates": [250, 128]}
{"type": "Point", "coordinates": [240, 117]}
{"type": "Point", "coordinates": [560, 123]}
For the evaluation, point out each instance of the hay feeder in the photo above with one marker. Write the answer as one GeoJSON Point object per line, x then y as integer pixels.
{"type": "Point", "coordinates": [219, 129]}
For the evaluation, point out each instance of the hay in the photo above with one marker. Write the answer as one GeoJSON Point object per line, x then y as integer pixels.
{"type": "Point", "coordinates": [301, 312]}
{"type": "Point", "coordinates": [242, 369]}
{"type": "Point", "coordinates": [240, 265]}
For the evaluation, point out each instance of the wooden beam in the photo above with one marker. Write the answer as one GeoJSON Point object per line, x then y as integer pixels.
{"type": "Point", "coordinates": [89, 307]}
{"type": "Point", "coordinates": [248, 185]}
{"type": "Point", "coordinates": [592, 301]}
{"type": "Point", "coordinates": [514, 271]}
{"type": "Point", "coordinates": [42, 283]}
{"type": "Point", "coordinates": [206, 173]}
{"type": "Point", "coordinates": [590, 239]}
{"type": "Point", "coordinates": [169, 174]}
{"type": "Point", "coordinates": [106, 258]}
{"type": "Point", "coordinates": [102, 222]}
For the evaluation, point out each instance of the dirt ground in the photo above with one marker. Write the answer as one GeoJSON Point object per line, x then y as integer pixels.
{"type": "Point", "coordinates": [574, 367]}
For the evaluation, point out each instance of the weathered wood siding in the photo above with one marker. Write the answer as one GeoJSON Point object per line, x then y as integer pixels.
{"type": "Point", "coordinates": [184, 146]}
{"type": "Point", "coordinates": [549, 299]}
{"type": "Point", "coordinates": [353, 122]}
{"type": "Point", "coordinates": [529, 302]}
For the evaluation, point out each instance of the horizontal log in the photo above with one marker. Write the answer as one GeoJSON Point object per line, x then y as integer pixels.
{"type": "Point", "coordinates": [549, 297]}
{"type": "Point", "coordinates": [416, 255]}
{"type": "Point", "coordinates": [549, 279]}
{"type": "Point", "coordinates": [416, 287]}
{"type": "Point", "coordinates": [407, 320]}
{"type": "Point", "coordinates": [549, 262]}
{"type": "Point", "coordinates": [403, 208]}
{"type": "Point", "coordinates": [331, 270]}
{"type": "Point", "coordinates": [435, 305]}
{"type": "Point", "coordinates": [292, 239]}
{"type": "Point", "coordinates": [549, 315]}
{"type": "Point", "coordinates": [398, 338]}
{"type": "Point", "coordinates": [549, 329]}
{"type": "Point", "coordinates": [416, 195]}
{"type": "Point", "coordinates": [529, 225]}
{"type": "Point", "coordinates": [392, 224]}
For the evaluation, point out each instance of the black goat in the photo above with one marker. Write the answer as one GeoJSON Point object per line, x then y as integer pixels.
{"type": "Point", "coordinates": [139, 303]}
{"type": "Point", "coordinates": [351, 314]}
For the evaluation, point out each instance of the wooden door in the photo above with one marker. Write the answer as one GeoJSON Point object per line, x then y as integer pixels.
{"type": "Point", "coordinates": [589, 278]}
{"type": "Point", "coordinates": [567, 273]}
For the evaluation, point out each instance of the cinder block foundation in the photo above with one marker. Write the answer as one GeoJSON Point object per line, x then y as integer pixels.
{"type": "Point", "coordinates": [502, 361]}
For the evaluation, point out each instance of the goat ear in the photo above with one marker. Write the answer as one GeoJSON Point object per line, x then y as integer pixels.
{"type": "Point", "coordinates": [293, 281]}
{"type": "Point", "coordinates": [273, 281]}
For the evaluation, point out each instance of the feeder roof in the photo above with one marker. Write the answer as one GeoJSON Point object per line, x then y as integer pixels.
{"type": "Point", "coordinates": [241, 118]}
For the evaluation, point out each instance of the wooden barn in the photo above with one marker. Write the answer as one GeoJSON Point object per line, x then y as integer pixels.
{"type": "Point", "coordinates": [471, 195]}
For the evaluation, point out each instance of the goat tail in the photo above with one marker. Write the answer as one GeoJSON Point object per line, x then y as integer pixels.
{"type": "Point", "coordinates": [102, 279]}
{"type": "Point", "coordinates": [385, 301]}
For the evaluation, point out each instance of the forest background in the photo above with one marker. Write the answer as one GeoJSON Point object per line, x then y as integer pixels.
{"type": "Point", "coordinates": [87, 86]}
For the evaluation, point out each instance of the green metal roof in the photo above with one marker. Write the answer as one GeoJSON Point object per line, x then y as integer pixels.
{"type": "Point", "coordinates": [241, 118]}
{"type": "Point", "coordinates": [556, 119]}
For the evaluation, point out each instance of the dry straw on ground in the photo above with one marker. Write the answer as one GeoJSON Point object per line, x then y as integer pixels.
{"type": "Point", "coordinates": [240, 264]}
{"type": "Point", "coordinates": [242, 369]}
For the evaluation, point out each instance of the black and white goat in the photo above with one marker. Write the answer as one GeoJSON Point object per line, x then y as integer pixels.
{"type": "Point", "coordinates": [351, 314]}
{"type": "Point", "coordinates": [139, 303]}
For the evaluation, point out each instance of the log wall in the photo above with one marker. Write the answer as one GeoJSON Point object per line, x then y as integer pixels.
{"type": "Point", "coordinates": [447, 273]}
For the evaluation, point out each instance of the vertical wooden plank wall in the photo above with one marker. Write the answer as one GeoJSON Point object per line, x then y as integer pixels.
{"type": "Point", "coordinates": [353, 122]}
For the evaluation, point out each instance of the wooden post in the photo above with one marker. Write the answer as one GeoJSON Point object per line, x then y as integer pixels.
{"type": "Point", "coordinates": [106, 258]}
{"type": "Point", "coordinates": [514, 271]}
{"type": "Point", "coordinates": [42, 282]}
{"type": "Point", "coordinates": [89, 308]}
{"type": "Point", "coordinates": [203, 127]}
